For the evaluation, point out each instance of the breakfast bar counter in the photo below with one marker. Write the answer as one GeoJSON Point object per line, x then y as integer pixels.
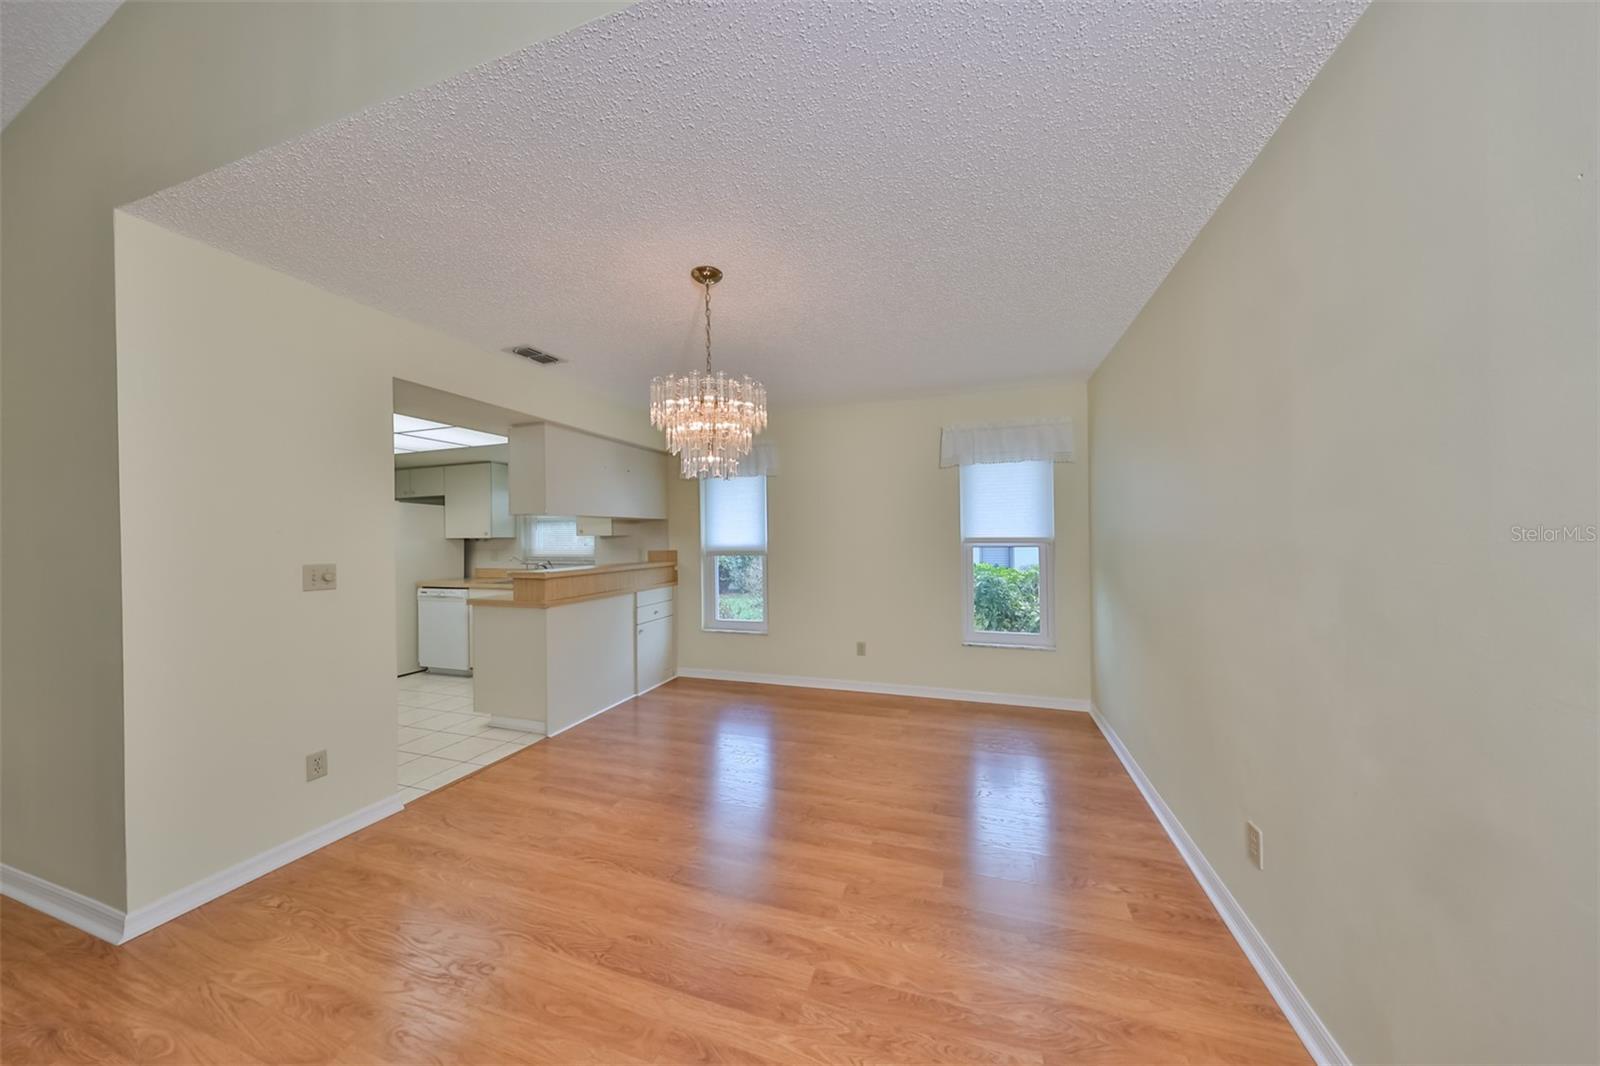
{"type": "Point", "coordinates": [571, 643]}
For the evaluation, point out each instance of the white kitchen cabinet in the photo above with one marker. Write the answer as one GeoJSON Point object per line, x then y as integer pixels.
{"type": "Point", "coordinates": [477, 502]}
{"type": "Point", "coordinates": [418, 481]}
{"type": "Point", "coordinates": [427, 481]}
{"type": "Point", "coordinates": [653, 658]}
{"type": "Point", "coordinates": [559, 471]}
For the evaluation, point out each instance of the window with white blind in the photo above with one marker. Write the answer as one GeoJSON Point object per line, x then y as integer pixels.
{"type": "Point", "coordinates": [551, 539]}
{"type": "Point", "coordinates": [1007, 535]}
{"type": "Point", "coordinates": [733, 547]}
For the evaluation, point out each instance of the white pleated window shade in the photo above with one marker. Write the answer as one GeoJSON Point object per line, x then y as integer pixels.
{"type": "Point", "coordinates": [733, 514]}
{"type": "Point", "coordinates": [1008, 500]}
{"type": "Point", "coordinates": [552, 538]}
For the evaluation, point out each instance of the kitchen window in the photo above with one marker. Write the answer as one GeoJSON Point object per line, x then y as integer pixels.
{"type": "Point", "coordinates": [1007, 543]}
{"type": "Point", "coordinates": [544, 538]}
{"type": "Point", "coordinates": [733, 560]}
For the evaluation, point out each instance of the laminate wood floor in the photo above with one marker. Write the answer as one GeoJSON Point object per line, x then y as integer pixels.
{"type": "Point", "coordinates": [711, 872]}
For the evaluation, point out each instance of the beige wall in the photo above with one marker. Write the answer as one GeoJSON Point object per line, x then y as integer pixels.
{"type": "Point", "coordinates": [231, 671]}
{"type": "Point", "coordinates": [864, 539]}
{"type": "Point", "coordinates": [145, 105]}
{"type": "Point", "coordinates": [1309, 454]}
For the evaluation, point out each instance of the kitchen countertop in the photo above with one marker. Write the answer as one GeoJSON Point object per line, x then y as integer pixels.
{"type": "Point", "coordinates": [554, 588]}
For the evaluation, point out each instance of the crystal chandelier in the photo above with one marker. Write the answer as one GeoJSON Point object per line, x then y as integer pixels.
{"type": "Point", "coordinates": [710, 419]}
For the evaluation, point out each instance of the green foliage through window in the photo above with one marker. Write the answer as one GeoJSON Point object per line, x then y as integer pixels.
{"type": "Point", "coordinates": [1005, 599]}
{"type": "Point", "coordinates": [740, 588]}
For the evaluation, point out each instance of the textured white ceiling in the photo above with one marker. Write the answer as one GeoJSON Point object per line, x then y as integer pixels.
{"type": "Point", "coordinates": [37, 37]}
{"type": "Point", "coordinates": [905, 196]}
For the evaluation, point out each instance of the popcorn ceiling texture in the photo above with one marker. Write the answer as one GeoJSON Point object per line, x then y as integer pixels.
{"type": "Point", "coordinates": [37, 37]}
{"type": "Point", "coordinates": [905, 197]}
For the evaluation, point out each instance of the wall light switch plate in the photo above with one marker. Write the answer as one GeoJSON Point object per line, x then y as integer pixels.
{"type": "Point", "coordinates": [319, 577]}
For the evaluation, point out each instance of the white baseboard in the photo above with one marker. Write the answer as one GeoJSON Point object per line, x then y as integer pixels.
{"type": "Point", "coordinates": [1009, 699]}
{"type": "Point", "coordinates": [109, 924]}
{"type": "Point", "coordinates": [521, 725]}
{"type": "Point", "coordinates": [601, 711]}
{"type": "Point", "coordinates": [527, 725]}
{"type": "Point", "coordinates": [1296, 1008]}
{"type": "Point", "coordinates": [655, 686]}
{"type": "Point", "coordinates": [169, 907]}
{"type": "Point", "coordinates": [93, 917]}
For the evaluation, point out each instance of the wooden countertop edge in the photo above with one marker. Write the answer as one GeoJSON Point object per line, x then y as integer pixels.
{"type": "Point", "coordinates": [562, 603]}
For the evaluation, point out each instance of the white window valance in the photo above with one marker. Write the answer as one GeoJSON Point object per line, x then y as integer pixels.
{"type": "Point", "coordinates": [1035, 440]}
{"type": "Point", "coordinates": [761, 462]}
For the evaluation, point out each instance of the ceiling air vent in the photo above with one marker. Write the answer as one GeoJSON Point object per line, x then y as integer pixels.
{"type": "Point", "coordinates": [530, 352]}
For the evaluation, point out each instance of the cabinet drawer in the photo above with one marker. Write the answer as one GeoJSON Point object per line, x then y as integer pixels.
{"type": "Point", "coordinates": [660, 595]}
{"type": "Point", "coordinates": [651, 611]}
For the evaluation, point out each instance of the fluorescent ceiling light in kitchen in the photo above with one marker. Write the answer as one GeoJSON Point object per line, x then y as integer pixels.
{"type": "Point", "coordinates": [407, 424]}
{"type": "Point", "coordinates": [460, 436]}
{"type": "Point", "coordinates": [404, 442]}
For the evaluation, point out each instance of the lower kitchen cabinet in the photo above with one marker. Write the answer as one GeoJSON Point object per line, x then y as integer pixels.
{"type": "Point", "coordinates": [653, 658]}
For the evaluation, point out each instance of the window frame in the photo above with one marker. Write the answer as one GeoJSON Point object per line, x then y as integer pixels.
{"type": "Point", "coordinates": [529, 552]}
{"type": "Point", "coordinates": [709, 622]}
{"type": "Point", "coordinates": [1045, 639]}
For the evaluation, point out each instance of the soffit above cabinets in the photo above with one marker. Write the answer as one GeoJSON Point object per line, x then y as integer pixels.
{"type": "Point", "coordinates": [904, 197]}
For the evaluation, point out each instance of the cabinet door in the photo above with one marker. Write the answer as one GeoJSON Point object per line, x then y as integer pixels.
{"type": "Point", "coordinates": [467, 502]}
{"type": "Point", "coordinates": [427, 481]}
{"type": "Point", "coordinates": [653, 662]}
{"type": "Point", "coordinates": [402, 484]}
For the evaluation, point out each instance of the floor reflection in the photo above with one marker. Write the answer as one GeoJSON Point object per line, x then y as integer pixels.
{"type": "Point", "coordinates": [1009, 829]}
{"type": "Point", "coordinates": [738, 799]}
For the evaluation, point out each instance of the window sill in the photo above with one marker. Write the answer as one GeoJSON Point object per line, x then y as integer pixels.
{"type": "Point", "coordinates": [1012, 647]}
{"type": "Point", "coordinates": [743, 632]}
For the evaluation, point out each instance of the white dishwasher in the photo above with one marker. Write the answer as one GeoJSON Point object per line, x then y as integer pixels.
{"type": "Point", "coordinates": [444, 639]}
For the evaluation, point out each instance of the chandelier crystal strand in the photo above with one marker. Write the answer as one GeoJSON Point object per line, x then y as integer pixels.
{"type": "Point", "coordinates": [710, 419]}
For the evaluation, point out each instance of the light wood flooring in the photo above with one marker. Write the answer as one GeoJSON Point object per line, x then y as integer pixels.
{"type": "Point", "coordinates": [711, 872]}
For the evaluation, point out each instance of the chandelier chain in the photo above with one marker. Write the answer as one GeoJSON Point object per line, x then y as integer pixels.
{"type": "Point", "coordinates": [708, 326]}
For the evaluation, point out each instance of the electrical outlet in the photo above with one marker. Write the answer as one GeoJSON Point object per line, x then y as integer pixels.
{"type": "Point", "coordinates": [316, 765]}
{"type": "Point", "coordinates": [1252, 844]}
{"type": "Point", "coordinates": [319, 577]}
{"type": "Point", "coordinates": [861, 647]}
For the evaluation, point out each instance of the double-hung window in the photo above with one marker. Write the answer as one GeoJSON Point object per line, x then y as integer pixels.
{"type": "Point", "coordinates": [1007, 538]}
{"type": "Point", "coordinates": [733, 547]}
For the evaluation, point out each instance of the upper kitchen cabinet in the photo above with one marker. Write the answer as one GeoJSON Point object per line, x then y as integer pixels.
{"type": "Point", "coordinates": [477, 502]}
{"type": "Point", "coordinates": [415, 482]}
{"type": "Point", "coordinates": [559, 471]}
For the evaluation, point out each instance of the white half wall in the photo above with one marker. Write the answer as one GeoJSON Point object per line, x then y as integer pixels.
{"type": "Point", "coordinates": [1312, 453]}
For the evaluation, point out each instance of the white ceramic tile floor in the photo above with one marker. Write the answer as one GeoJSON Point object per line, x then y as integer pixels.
{"type": "Point", "coordinates": [441, 737]}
